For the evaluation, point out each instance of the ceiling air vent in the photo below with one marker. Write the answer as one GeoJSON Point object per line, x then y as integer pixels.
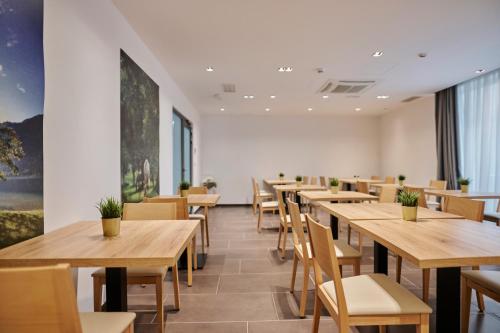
{"type": "Point", "coordinates": [410, 99]}
{"type": "Point", "coordinates": [346, 86]}
{"type": "Point", "coordinates": [228, 88]}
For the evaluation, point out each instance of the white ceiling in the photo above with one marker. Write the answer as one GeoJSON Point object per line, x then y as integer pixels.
{"type": "Point", "coordinates": [246, 41]}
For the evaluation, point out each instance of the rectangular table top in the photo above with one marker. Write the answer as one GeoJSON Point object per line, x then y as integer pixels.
{"type": "Point", "coordinates": [425, 187]}
{"type": "Point", "coordinates": [296, 188]}
{"type": "Point", "coordinates": [355, 180]}
{"type": "Point", "coordinates": [272, 182]}
{"type": "Point", "coordinates": [458, 193]}
{"type": "Point", "coordinates": [436, 243]}
{"type": "Point", "coordinates": [81, 244]}
{"type": "Point", "coordinates": [340, 196]}
{"type": "Point", "coordinates": [208, 200]}
{"type": "Point", "coordinates": [379, 211]}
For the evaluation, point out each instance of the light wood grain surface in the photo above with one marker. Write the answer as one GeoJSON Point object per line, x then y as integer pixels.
{"type": "Point", "coordinates": [355, 180]}
{"type": "Point", "coordinates": [435, 243]}
{"type": "Point", "coordinates": [205, 200]}
{"type": "Point", "coordinates": [340, 196]}
{"type": "Point", "coordinates": [272, 182]}
{"type": "Point", "coordinates": [140, 243]}
{"type": "Point", "coordinates": [425, 187]}
{"type": "Point", "coordinates": [378, 211]}
{"type": "Point", "coordinates": [458, 193]}
{"type": "Point", "coordinates": [295, 188]}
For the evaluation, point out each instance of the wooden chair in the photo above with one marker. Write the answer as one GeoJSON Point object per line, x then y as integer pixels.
{"type": "Point", "coordinates": [375, 178]}
{"type": "Point", "coordinates": [264, 195]}
{"type": "Point", "coordinates": [390, 180]}
{"type": "Point", "coordinates": [469, 209]}
{"type": "Point", "coordinates": [493, 216]}
{"type": "Point", "coordinates": [484, 282]}
{"type": "Point", "coordinates": [285, 223]}
{"type": "Point", "coordinates": [363, 187]}
{"type": "Point", "coordinates": [302, 252]}
{"type": "Point", "coordinates": [314, 180]}
{"type": "Point", "coordinates": [42, 299]}
{"type": "Point", "coordinates": [432, 201]}
{"type": "Point", "coordinates": [147, 275]}
{"type": "Point", "coordinates": [388, 194]}
{"type": "Point", "coordinates": [202, 217]}
{"type": "Point", "coordinates": [360, 300]}
{"type": "Point", "coordinates": [422, 202]}
{"type": "Point", "coordinates": [264, 206]}
{"type": "Point", "coordinates": [322, 181]}
{"type": "Point", "coordinates": [305, 180]}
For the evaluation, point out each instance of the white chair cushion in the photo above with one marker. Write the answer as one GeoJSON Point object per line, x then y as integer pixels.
{"type": "Point", "coordinates": [109, 322]}
{"type": "Point", "coordinates": [342, 249]}
{"type": "Point", "coordinates": [196, 217]}
{"type": "Point", "coordinates": [269, 204]}
{"type": "Point", "coordinates": [488, 279]}
{"type": "Point", "coordinates": [376, 294]}
{"type": "Point", "coordinates": [137, 271]}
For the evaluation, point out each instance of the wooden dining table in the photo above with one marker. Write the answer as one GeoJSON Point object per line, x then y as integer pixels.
{"type": "Point", "coordinates": [294, 188]}
{"type": "Point", "coordinates": [348, 183]}
{"type": "Point", "coordinates": [273, 182]}
{"type": "Point", "coordinates": [154, 243]}
{"type": "Point", "coordinates": [444, 244]}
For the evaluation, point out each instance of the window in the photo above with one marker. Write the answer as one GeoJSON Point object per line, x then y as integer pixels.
{"type": "Point", "coordinates": [182, 149]}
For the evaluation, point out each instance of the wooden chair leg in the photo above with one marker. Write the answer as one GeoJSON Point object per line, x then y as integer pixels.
{"type": "Point", "coordinates": [317, 312]}
{"type": "Point", "coordinates": [294, 271]}
{"type": "Point", "coordinates": [341, 270]}
{"type": "Point", "coordinates": [349, 234]}
{"type": "Point", "coordinates": [305, 285]}
{"type": "Point", "coordinates": [424, 324]}
{"type": "Point", "coordinates": [202, 227]}
{"type": "Point", "coordinates": [175, 282]}
{"type": "Point", "coordinates": [465, 306]}
{"type": "Point", "coordinates": [426, 280]}
{"type": "Point", "coordinates": [357, 267]}
{"type": "Point", "coordinates": [254, 204]}
{"type": "Point", "coordinates": [159, 302]}
{"type": "Point", "coordinates": [280, 227]}
{"type": "Point", "coordinates": [130, 328]}
{"type": "Point", "coordinates": [259, 219]}
{"type": "Point", "coordinates": [479, 296]}
{"type": "Point", "coordinates": [98, 282]}
{"type": "Point", "coordinates": [382, 329]}
{"type": "Point", "coordinates": [189, 264]}
{"type": "Point", "coordinates": [195, 255]}
{"type": "Point", "coordinates": [399, 263]}
{"type": "Point", "coordinates": [285, 234]}
{"type": "Point", "coordinates": [206, 226]}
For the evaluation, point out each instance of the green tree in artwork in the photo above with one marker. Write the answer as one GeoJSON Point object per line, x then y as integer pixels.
{"type": "Point", "coordinates": [10, 150]}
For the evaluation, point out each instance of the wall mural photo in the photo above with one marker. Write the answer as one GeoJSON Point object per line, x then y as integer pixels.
{"type": "Point", "coordinates": [139, 118]}
{"type": "Point", "coordinates": [21, 120]}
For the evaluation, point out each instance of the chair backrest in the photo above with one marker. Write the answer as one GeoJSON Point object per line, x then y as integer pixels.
{"type": "Point", "coordinates": [198, 190]}
{"type": "Point", "coordinates": [281, 204]}
{"type": "Point", "coordinates": [181, 206]}
{"type": "Point", "coordinates": [375, 178]}
{"type": "Point", "coordinates": [390, 180]}
{"type": "Point", "coordinates": [314, 180]}
{"type": "Point", "coordinates": [254, 182]}
{"type": "Point", "coordinates": [325, 259]}
{"type": "Point", "coordinates": [422, 202]}
{"type": "Point", "coordinates": [149, 211]}
{"type": "Point", "coordinates": [388, 194]}
{"type": "Point", "coordinates": [438, 184]}
{"type": "Point", "coordinates": [299, 237]}
{"type": "Point", "coordinates": [322, 181]}
{"type": "Point", "coordinates": [305, 180]}
{"type": "Point", "coordinates": [468, 208]}
{"type": "Point", "coordinates": [363, 187]}
{"type": "Point", "coordinates": [38, 299]}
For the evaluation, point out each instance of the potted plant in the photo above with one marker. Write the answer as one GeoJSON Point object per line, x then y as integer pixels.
{"type": "Point", "coordinates": [464, 184]}
{"type": "Point", "coordinates": [210, 183]}
{"type": "Point", "coordinates": [334, 185]}
{"type": "Point", "coordinates": [409, 201]}
{"type": "Point", "coordinates": [298, 179]}
{"type": "Point", "coordinates": [401, 179]}
{"type": "Point", "coordinates": [111, 215]}
{"type": "Point", "coordinates": [184, 187]}
{"type": "Point", "coordinates": [282, 175]}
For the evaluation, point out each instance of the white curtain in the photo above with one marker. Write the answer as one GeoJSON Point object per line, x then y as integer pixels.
{"type": "Point", "coordinates": [478, 111]}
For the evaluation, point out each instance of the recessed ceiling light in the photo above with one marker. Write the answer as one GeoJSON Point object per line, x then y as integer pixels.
{"type": "Point", "coordinates": [309, 109]}
{"type": "Point", "coordinates": [479, 71]}
{"type": "Point", "coordinates": [222, 109]}
{"type": "Point", "coordinates": [357, 109]}
{"type": "Point", "coordinates": [377, 54]}
{"type": "Point", "coordinates": [382, 97]}
{"type": "Point", "coordinates": [209, 69]}
{"type": "Point", "coordinates": [325, 96]}
{"type": "Point", "coordinates": [283, 69]}
{"type": "Point", "coordinates": [248, 97]}
{"type": "Point", "coordinates": [267, 109]}
{"type": "Point", "coordinates": [272, 97]}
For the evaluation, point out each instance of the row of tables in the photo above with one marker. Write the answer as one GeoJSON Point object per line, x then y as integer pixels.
{"type": "Point", "coordinates": [437, 240]}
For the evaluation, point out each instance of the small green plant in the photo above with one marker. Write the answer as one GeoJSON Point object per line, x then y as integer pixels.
{"type": "Point", "coordinates": [401, 177]}
{"type": "Point", "coordinates": [334, 182]}
{"type": "Point", "coordinates": [282, 175]}
{"type": "Point", "coordinates": [109, 208]}
{"type": "Point", "coordinates": [184, 185]}
{"type": "Point", "coordinates": [463, 181]}
{"type": "Point", "coordinates": [298, 178]}
{"type": "Point", "coordinates": [409, 199]}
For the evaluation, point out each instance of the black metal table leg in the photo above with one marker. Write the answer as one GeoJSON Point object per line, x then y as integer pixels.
{"type": "Point", "coordinates": [379, 258]}
{"type": "Point", "coordinates": [299, 201]}
{"type": "Point", "coordinates": [283, 193]}
{"type": "Point", "coordinates": [116, 289]}
{"type": "Point", "coordinates": [334, 225]}
{"type": "Point", "coordinates": [448, 300]}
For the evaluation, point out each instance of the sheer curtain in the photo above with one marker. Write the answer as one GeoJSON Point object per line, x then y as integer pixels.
{"type": "Point", "coordinates": [478, 111]}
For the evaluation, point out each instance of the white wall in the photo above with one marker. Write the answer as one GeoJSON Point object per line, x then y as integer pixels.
{"type": "Point", "coordinates": [235, 148]}
{"type": "Point", "coordinates": [408, 142]}
{"type": "Point", "coordinates": [82, 112]}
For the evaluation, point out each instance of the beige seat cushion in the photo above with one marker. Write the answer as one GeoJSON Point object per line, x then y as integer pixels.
{"type": "Point", "coordinates": [376, 294]}
{"type": "Point", "coordinates": [302, 219]}
{"type": "Point", "coordinates": [342, 249]}
{"type": "Point", "coordinates": [488, 279]}
{"type": "Point", "coordinates": [269, 204]}
{"type": "Point", "coordinates": [109, 322]}
{"type": "Point", "coordinates": [265, 194]}
{"type": "Point", "coordinates": [137, 271]}
{"type": "Point", "coordinates": [196, 217]}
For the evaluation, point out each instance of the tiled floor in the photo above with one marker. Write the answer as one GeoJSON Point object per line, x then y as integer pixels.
{"type": "Point", "coordinates": [244, 286]}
